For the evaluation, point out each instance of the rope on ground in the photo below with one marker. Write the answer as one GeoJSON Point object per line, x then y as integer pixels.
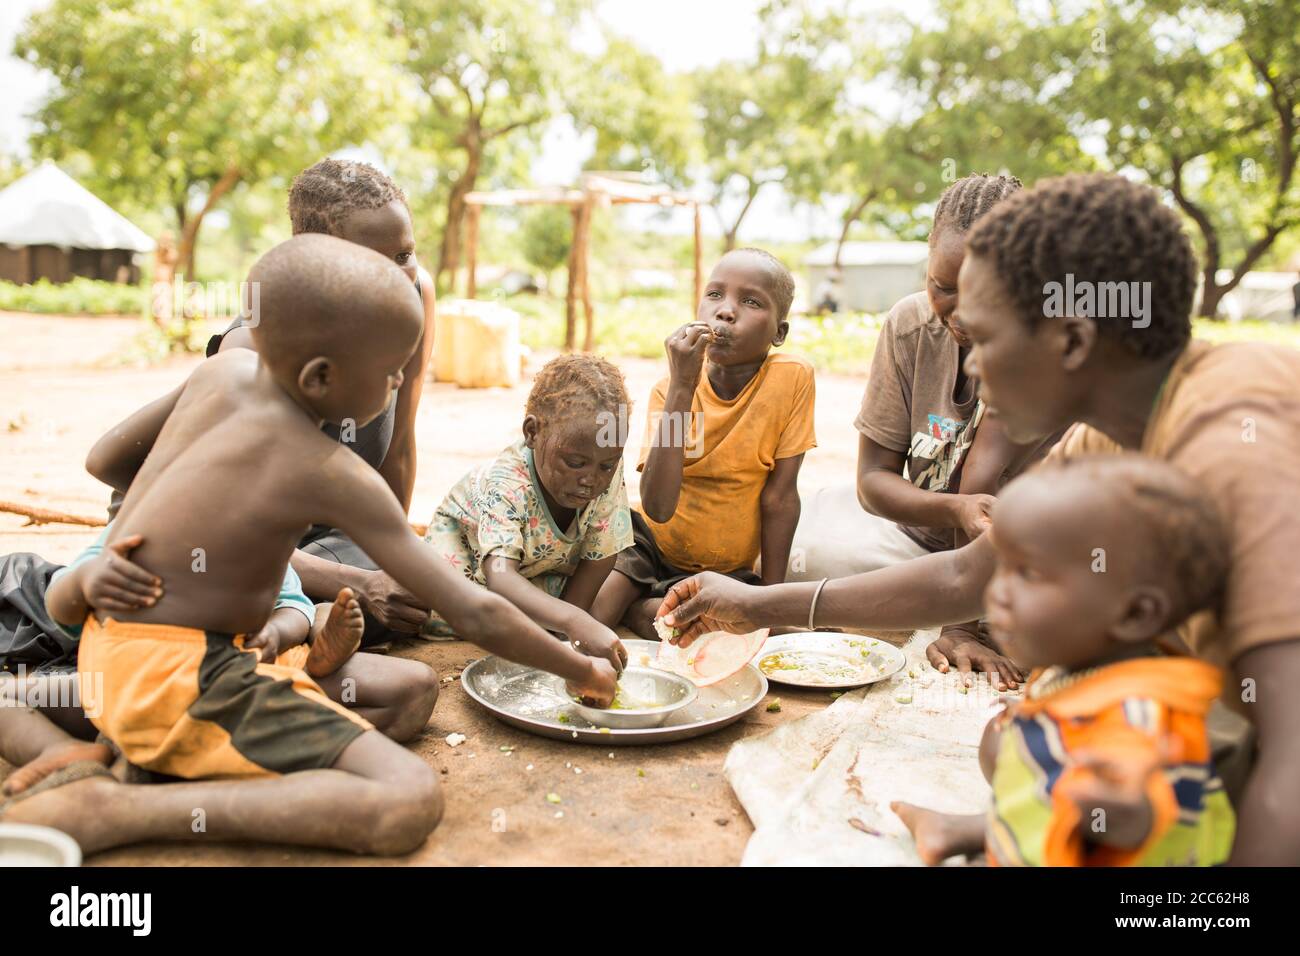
{"type": "Point", "coordinates": [45, 516]}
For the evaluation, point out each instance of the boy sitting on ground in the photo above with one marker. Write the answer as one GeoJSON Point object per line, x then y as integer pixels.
{"type": "Point", "coordinates": [239, 470]}
{"type": "Point", "coordinates": [726, 433]}
{"type": "Point", "coordinates": [1106, 761]}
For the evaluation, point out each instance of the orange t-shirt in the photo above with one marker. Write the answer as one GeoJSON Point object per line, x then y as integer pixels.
{"type": "Point", "coordinates": [1229, 416]}
{"type": "Point", "coordinates": [731, 447]}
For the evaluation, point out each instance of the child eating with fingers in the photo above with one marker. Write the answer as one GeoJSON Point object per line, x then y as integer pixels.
{"type": "Point", "coordinates": [541, 524]}
{"type": "Point", "coordinates": [726, 433]}
{"type": "Point", "coordinates": [1106, 761]}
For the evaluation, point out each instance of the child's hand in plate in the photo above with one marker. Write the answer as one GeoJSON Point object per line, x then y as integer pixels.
{"type": "Point", "coordinates": [596, 640]}
{"type": "Point", "coordinates": [600, 686]}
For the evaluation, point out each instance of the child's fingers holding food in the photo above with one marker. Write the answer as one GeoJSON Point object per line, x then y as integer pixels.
{"type": "Point", "coordinates": [600, 686]}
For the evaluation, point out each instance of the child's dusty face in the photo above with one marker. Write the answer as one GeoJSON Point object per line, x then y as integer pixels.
{"type": "Point", "coordinates": [387, 230]}
{"type": "Point", "coordinates": [741, 311]}
{"type": "Point", "coordinates": [1050, 601]}
{"type": "Point", "coordinates": [572, 464]}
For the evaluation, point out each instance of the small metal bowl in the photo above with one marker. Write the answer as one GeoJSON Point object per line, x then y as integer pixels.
{"type": "Point", "coordinates": [22, 844]}
{"type": "Point", "coordinates": [662, 692]}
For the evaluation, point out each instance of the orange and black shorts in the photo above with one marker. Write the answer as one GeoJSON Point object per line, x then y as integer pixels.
{"type": "Point", "coordinates": [195, 704]}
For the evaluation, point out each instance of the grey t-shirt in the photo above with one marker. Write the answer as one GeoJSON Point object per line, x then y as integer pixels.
{"type": "Point", "coordinates": [912, 404]}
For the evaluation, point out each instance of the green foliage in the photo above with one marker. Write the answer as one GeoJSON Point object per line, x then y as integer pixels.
{"type": "Point", "coordinates": [168, 97]}
{"type": "Point", "coordinates": [1202, 97]}
{"type": "Point", "coordinates": [546, 236]}
{"type": "Point", "coordinates": [642, 115]}
{"type": "Point", "coordinates": [157, 103]}
{"type": "Point", "coordinates": [77, 297]}
{"type": "Point", "coordinates": [764, 119]}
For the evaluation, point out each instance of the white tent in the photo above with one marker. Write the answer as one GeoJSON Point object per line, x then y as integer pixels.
{"type": "Point", "coordinates": [47, 207]}
{"type": "Point", "coordinates": [874, 275]}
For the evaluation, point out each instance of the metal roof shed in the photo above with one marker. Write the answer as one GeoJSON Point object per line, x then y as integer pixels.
{"type": "Point", "coordinates": [52, 227]}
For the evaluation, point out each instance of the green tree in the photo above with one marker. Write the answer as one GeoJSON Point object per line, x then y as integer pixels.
{"type": "Point", "coordinates": [965, 99]}
{"type": "Point", "coordinates": [546, 237]}
{"type": "Point", "coordinates": [765, 119]}
{"type": "Point", "coordinates": [488, 71]}
{"type": "Point", "coordinates": [642, 116]}
{"type": "Point", "coordinates": [1204, 99]}
{"type": "Point", "coordinates": [177, 102]}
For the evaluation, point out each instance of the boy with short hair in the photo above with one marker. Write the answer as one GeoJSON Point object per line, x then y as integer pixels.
{"type": "Point", "coordinates": [1106, 761]}
{"type": "Point", "coordinates": [726, 433]}
{"type": "Point", "coordinates": [239, 470]}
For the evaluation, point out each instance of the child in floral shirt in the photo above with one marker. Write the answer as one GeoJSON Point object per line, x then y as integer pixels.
{"type": "Point", "coordinates": [542, 523]}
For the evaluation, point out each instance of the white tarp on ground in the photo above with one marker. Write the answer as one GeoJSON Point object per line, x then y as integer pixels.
{"type": "Point", "coordinates": [47, 207]}
{"type": "Point", "coordinates": [803, 782]}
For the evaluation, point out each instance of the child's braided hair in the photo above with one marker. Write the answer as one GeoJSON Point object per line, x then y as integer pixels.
{"type": "Point", "coordinates": [577, 382]}
{"type": "Point", "coordinates": [967, 199]}
{"type": "Point", "coordinates": [322, 195]}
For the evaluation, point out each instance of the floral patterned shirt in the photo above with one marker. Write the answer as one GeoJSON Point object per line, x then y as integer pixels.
{"type": "Point", "coordinates": [498, 509]}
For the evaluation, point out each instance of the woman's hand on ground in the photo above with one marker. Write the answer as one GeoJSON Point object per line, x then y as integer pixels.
{"type": "Point", "coordinates": [596, 640]}
{"type": "Point", "coordinates": [706, 602]}
{"type": "Point", "coordinates": [113, 582]}
{"type": "Point", "coordinates": [391, 604]}
{"type": "Point", "coordinates": [968, 654]}
{"type": "Point", "coordinates": [975, 514]}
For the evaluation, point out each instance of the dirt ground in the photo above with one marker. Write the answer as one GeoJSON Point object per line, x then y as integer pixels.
{"type": "Point", "coordinates": [61, 388]}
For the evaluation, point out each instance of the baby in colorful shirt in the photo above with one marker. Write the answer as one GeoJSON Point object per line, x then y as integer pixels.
{"type": "Point", "coordinates": [542, 523]}
{"type": "Point", "coordinates": [1106, 762]}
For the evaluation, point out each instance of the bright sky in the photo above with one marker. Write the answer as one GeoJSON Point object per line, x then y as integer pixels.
{"type": "Point", "coordinates": [684, 34]}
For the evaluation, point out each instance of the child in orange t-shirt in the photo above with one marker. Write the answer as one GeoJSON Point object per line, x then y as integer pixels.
{"type": "Point", "coordinates": [726, 433]}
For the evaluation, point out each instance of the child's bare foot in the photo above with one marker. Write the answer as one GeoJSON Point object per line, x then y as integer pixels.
{"type": "Point", "coordinates": [55, 757]}
{"type": "Point", "coordinates": [339, 637]}
{"type": "Point", "coordinates": [941, 835]}
{"type": "Point", "coordinates": [75, 809]}
{"type": "Point", "coordinates": [640, 617]}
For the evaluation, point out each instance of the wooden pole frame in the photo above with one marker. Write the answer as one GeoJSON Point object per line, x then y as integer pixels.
{"type": "Point", "coordinates": [699, 262]}
{"type": "Point", "coordinates": [571, 288]}
{"type": "Point", "coordinates": [588, 210]}
{"type": "Point", "coordinates": [603, 188]}
{"type": "Point", "coordinates": [471, 251]}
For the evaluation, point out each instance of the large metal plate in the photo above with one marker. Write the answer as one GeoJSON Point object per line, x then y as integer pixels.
{"type": "Point", "coordinates": [827, 660]}
{"type": "Point", "coordinates": [535, 701]}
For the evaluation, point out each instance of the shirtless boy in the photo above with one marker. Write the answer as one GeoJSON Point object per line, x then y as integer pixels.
{"type": "Point", "coordinates": [239, 471]}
